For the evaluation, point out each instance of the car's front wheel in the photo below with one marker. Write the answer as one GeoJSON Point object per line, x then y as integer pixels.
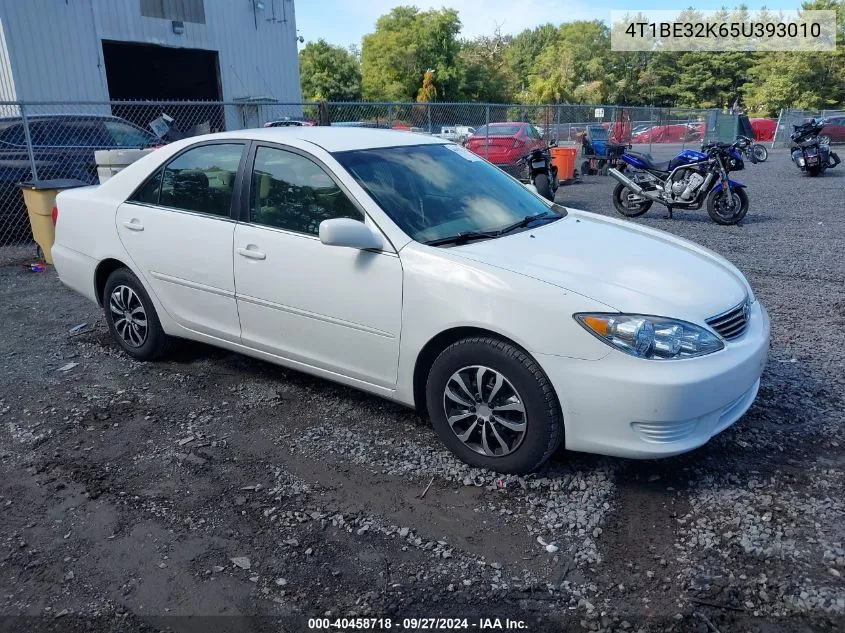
{"type": "Point", "coordinates": [493, 406]}
{"type": "Point", "coordinates": [131, 317]}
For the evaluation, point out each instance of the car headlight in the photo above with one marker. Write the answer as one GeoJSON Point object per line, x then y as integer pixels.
{"type": "Point", "coordinates": [655, 338]}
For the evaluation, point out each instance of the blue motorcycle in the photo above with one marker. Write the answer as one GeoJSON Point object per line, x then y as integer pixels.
{"type": "Point", "coordinates": [688, 181]}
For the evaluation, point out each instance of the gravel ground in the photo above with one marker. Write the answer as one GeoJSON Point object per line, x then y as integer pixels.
{"type": "Point", "coordinates": [215, 485]}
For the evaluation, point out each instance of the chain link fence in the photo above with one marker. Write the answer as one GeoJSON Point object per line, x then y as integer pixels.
{"type": "Point", "coordinates": [58, 140]}
{"type": "Point", "coordinates": [833, 132]}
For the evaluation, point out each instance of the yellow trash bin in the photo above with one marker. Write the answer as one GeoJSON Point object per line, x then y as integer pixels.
{"type": "Point", "coordinates": [40, 198]}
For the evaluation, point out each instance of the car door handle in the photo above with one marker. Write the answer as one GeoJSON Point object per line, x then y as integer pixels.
{"type": "Point", "coordinates": [251, 253]}
{"type": "Point", "coordinates": [134, 225]}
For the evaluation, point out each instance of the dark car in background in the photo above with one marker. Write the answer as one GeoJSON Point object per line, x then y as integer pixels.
{"type": "Point", "coordinates": [63, 146]}
{"type": "Point", "coordinates": [289, 122]}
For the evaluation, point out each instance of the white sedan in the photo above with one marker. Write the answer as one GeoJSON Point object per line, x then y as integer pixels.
{"type": "Point", "coordinates": [408, 267]}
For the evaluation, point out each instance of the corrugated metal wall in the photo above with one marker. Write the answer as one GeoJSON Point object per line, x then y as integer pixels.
{"type": "Point", "coordinates": [7, 80]}
{"type": "Point", "coordinates": [54, 50]}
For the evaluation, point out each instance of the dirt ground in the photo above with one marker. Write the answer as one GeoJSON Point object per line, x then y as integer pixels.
{"type": "Point", "coordinates": [252, 497]}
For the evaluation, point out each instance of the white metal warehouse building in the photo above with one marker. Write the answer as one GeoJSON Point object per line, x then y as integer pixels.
{"type": "Point", "coordinates": [100, 50]}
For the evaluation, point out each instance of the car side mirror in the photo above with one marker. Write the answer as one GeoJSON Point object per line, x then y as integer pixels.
{"type": "Point", "coordinates": [350, 233]}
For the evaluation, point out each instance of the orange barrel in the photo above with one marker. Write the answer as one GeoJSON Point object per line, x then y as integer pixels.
{"type": "Point", "coordinates": [564, 159]}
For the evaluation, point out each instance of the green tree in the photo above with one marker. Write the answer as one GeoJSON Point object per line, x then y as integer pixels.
{"type": "Point", "coordinates": [405, 44]}
{"type": "Point", "coordinates": [522, 53]}
{"type": "Point", "coordinates": [329, 72]}
{"type": "Point", "coordinates": [803, 80]}
{"type": "Point", "coordinates": [483, 70]}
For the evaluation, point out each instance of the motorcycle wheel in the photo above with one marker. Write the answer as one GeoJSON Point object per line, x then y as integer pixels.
{"type": "Point", "coordinates": [814, 171]}
{"type": "Point", "coordinates": [759, 152]}
{"type": "Point", "coordinates": [541, 182]}
{"type": "Point", "coordinates": [628, 208]}
{"type": "Point", "coordinates": [727, 208]}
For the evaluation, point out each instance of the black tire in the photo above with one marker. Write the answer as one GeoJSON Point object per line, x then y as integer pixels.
{"type": "Point", "coordinates": [812, 172]}
{"type": "Point", "coordinates": [732, 217]}
{"type": "Point", "coordinates": [541, 182]}
{"type": "Point", "coordinates": [152, 342]}
{"type": "Point", "coordinates": [759, 152]}
{"type": "Point", "coordinates": [629, 211]}
{"type": "Point", "coordinates": [541, 415]}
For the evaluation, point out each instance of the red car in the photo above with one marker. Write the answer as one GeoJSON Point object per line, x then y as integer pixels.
{"type": "Point", "coordinates": [507, 142]}
{"type": "Point", "coordinates": [834, 129]}
{"type": "Point", "coordinates": [677, 133]}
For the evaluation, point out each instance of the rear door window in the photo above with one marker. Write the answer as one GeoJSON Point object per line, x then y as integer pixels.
{"type": "Point", "coordinates": [202, 179]}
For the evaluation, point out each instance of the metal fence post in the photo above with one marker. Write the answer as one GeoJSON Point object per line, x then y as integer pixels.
{"type": "Point", "coordinates": [653, 124]}
{"type": "Point", "coordinates": [777, 128]}
{"type": "Point", "coordinates": [390, 115]}
{"type": "Point", "coordinates": [28, 138]}
{"type": "Point", "coordinates": [487, 131]}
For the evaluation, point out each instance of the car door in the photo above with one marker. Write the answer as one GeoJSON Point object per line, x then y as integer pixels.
{"type": "Point", "coordinates": [334, 308]}
{"type": "Point", "coordinates": [178, 230]}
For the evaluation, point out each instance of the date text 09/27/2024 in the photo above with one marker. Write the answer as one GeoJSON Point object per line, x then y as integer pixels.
{"type": "Point", "coordinates": [416, 624]}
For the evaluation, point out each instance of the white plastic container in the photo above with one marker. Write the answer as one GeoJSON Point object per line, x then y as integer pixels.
{"type": "Point", "coordinates": [111, 161]}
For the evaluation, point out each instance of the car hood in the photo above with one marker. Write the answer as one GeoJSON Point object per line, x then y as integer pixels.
{"type": "Point", "coordinates": [631, 268]}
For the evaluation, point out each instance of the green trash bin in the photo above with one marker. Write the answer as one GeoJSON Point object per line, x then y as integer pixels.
{"type": "Point", "coordinates": [40, 198]}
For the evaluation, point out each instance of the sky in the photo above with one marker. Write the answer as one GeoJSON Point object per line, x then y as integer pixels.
{"type": "Point", "coordinates": [345, 22]}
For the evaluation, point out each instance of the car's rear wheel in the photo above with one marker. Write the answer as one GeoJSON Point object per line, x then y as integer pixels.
{"type": "Point", "coordinates": [131, 317]}
{"type": "Point", "coordinates": [493, 406]}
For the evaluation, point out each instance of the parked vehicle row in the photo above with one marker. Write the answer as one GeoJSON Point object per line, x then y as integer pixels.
{"type": "Point", "coordinates": [432, 279]}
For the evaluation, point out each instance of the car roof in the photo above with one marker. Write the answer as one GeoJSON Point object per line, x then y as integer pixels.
{"type": "Point", "coordinates": [331, 139]}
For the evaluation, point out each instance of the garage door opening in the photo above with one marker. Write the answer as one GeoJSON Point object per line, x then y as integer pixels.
{"type": "Point", "coordinates": [143, 72]}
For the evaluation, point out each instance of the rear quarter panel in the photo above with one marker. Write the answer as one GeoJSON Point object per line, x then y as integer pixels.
{"type": "Point", "coordinates": [85, 229]}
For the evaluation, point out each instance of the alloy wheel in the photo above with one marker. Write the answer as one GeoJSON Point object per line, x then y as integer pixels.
{"type": "Point", "coordinates": [728, 204]}
{"type": "Point", "coordinates": [128, 316]}
{"type": "Point", "coordinates": [485, 411]}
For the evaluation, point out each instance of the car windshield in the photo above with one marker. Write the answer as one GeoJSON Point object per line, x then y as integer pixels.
{"type": "Point", "coordinates": [498, 130]}
{"type": "Point", "coordinates": [434, 192]}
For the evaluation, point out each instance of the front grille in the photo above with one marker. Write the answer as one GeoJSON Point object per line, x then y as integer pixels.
{"type": "Point", "coordinates": [731, 324]}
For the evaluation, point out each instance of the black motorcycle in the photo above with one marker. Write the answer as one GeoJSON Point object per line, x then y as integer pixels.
{"type": "Point", "coordinates": [809, 154]}
{"type": "Point", "coordinates": [754, 152]}
{"type": "Point", "coordinates": [540, 172]}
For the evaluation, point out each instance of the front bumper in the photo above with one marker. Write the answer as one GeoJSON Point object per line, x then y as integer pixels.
{"type": "Point", "coordinates": [630, 407]}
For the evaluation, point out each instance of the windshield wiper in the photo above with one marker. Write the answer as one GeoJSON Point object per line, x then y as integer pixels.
{"type": "Point", "coordinates": [463, 237]}
{"type": "Point", "coordinates": [528, 219]}
{"type": "Point", "coordinates": [466, 236]}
